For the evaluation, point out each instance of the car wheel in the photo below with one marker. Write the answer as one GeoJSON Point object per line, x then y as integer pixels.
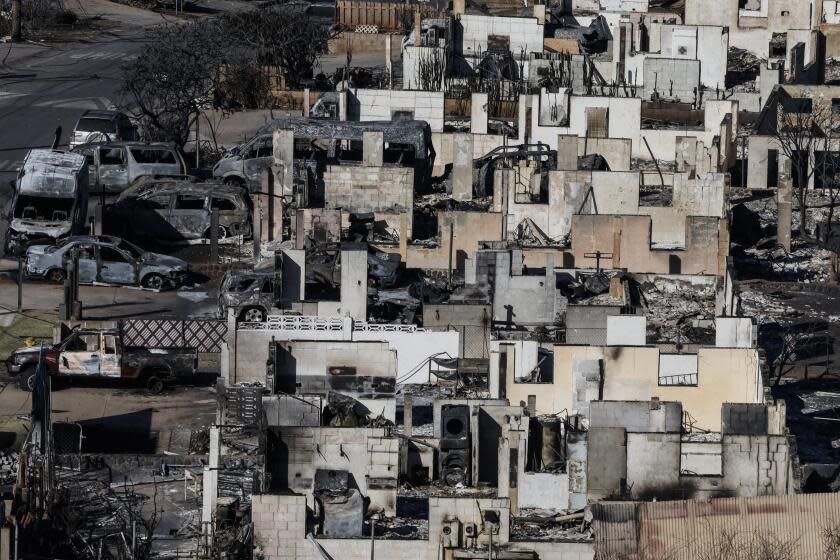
{"type": "Point", "coordinates": [154, 385]}
{"type": "Point", "coordinates": [253, 315]}
{"type": "Point", "coordinates": [223, 233]}
{"type": "Point", "coordinates": [26, 379]}
{"type": "Point", "coordinates": [153, 281]}
{"type": "Point", "coordinates": [56, 275]}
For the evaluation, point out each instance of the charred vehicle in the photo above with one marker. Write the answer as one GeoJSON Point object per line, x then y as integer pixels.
{"type": "Point", "coordinates": [180, 210]}
{"type": "Point", "coordinates": [114, 166]}
{"type": "Point", "coordinates": [251, 293]}
{"type": "Point", "coordinates": [320, 142]}
{"type": "Point", "coordinates": [106, 259]}
{"type": "Point", "coordinates": [50, 200]}
{"type": "Point", "coordinates": [100, 354]}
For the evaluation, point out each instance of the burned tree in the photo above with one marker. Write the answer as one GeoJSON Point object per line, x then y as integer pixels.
{"type": "Point", "coordinates": [285, 37]}
{"type": "Point", "coordinates": [173, 79]}
{"type": "Point", "coordinates": [804, 128]}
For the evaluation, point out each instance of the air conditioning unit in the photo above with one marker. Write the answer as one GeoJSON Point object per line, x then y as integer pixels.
{"type": "Point", "coordinates": [470, 531]}
{"type": "Point", "coordinates": [450, 534]}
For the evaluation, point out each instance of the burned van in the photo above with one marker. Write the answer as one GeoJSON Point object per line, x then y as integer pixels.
{"type": "Point", "coordinates": [178, 210]}
{"type": "Point", "coordinates": [50, 200]}
{"type": "Point", "coordinates": [114, 166]}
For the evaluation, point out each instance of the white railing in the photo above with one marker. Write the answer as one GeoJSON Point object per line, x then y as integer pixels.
{"type": "Point", "coordinates": [382, 327]}
{"type": "Point", "coordinates": [314, 323]}
{"type": "Point", "coordinates": [295, 323]}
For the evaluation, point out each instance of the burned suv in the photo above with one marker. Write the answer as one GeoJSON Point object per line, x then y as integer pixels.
{"type": "Point", "coordinates": [114, 166]}
{"type": "Point", "coordinates": [179, 210]}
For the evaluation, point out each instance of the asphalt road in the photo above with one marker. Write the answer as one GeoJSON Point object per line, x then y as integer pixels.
{"type": "Point", "coordinates": [47, 85]}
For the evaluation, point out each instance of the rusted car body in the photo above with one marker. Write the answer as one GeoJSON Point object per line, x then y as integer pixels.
{"type": "Point", "coordinates": [50, 200]}
{"type": "Point", "coordinates": [114, 166]}
{"type": "Point", "coordinates": [180, 210]}
{"type": "Point", "coordinates": [88, 353]}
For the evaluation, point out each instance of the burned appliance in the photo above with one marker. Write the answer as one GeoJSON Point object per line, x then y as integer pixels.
{"type": "Point", "coordinates": [454, 455]}
{"type": "Point", "coordinates": [342, 506]}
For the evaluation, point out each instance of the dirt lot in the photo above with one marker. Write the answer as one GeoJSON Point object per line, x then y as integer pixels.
{"type": "Point", "coordinates": [123, 420]}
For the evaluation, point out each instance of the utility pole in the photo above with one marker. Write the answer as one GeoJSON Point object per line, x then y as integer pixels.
{"type": "Point", "coordinates": [16, 34]}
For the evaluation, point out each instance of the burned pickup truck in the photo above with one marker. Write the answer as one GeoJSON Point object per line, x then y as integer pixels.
{"type": "Point", "coordinates": [50, 200]}
{"type": "Point", "coordinates": [88, 353]}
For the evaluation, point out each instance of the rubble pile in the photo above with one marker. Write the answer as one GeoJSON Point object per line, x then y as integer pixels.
{"type": "Point", "coordinates": [542, 525]}
{"type": "Point", "coordinates": [673, 307]}
{"type": "Point", "coordinates": [8, 466]}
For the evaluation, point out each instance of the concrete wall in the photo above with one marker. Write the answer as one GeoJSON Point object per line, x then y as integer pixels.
{"type": "Point", "coordinates": [525, 299]}
{"type": "Point", "coordinates": [526, 34]}
{"type": "Point", "coordinates": [373, 366]}
{"type": "Point", "coordinates": [364, 42]}
{"type": "Point", "coordinates": [624, 121]}
{"type": "Point", "coordinates": [369, 189]}
{"type": "Point", "coordinates": [544, 490]}
{"type": "Point", "coordinates": [624, 237]}
{"type": "Point", "coordinates": [632, 373]}
{"type": "Point", "coordinates": [280, 532]}
{"type": "Point", "coordinates": [468, 229]}
{"type": "Point", "coordinates": [249, 349]}
{"type": "Point", "coordinates": [380, 104]}
{"type": "Point", "coordinates": [606, 463]}
{"type": "Point", "coordinates": [671, 78]}
{"type": "Point", "coordinates": [371, 457]}
{"type": "Point", "coordinates": [653, 464]}
{"type": "Point", "coordinates": [412, 59]}
{"type": "Point", "coordinates": [413, 350]}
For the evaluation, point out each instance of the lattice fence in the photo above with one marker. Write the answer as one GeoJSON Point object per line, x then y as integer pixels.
{"type": "Point", "coordinates": [203, 335]}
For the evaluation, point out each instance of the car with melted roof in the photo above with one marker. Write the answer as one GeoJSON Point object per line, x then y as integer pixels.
{"type": "Point", "coordinates": [180, 210]}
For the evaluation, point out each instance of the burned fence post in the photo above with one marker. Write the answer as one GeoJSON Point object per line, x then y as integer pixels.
{"type": "Point", "coordinates": [20, 285]}
{"type": "Point", "coordinates": [214, 236]}
{"type": "Point", "coordinates": [258, 226]}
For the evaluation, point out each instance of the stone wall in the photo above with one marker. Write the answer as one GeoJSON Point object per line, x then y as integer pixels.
{"type": "Point", "coordinates": [370, 189]}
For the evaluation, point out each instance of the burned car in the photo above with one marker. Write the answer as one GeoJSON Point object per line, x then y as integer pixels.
{"type": "Point", "coordinates": [114, 166]}
{"type": "Point", "coordinates": [50, 200]}
{"type": "Point", "coordinates": [251, 293]}
{"type": "Point", "coordinates": [319, 142]}
{"type": "Point", "coordinates": [179, 210]}
{"type": "Point", "coordinates": [106, 259]}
